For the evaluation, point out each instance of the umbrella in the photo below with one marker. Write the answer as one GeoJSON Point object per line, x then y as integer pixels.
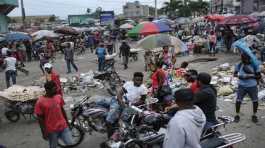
{"type": "Point", "coordinates": [166, 21]}
{"type": "Point", "coordinates": [160, 40]}
{"type": "Point", "coordinates": [262, 13]}
{"type": "Point", "coordinates": [148, 28]}
{"type": "Point", "coordinates": [254, 14]}
{"type": "Point", "coordinates": [183, 20]}
{"type": "Point", "coordinates": [66, 30]}
{"type": "Point", "coordinates": [242, 45]}
{"type": "Point", "coordinates": [214, 17]}
{"type": "Point", "coordinates": [126, 26]}
{"type": "Point", "coordinates": [17, 36]}
{"type": "Point", "coordinates": [44, 34]}
{"type": "Point", "coordinates": [238, 20]}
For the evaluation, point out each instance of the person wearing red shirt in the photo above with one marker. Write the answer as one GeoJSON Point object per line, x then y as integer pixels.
{"type": "Point", "coordinates": [180, 72]}
{"type": "Point", "coordinates": [51, 75]}
{"type": "Point", "coordinates": [52, 117]}
{"type": "Point", "coordinates": [191, 77]}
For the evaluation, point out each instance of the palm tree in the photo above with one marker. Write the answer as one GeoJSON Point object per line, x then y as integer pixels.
{"type": "Point", "coordinates": [171, 7]}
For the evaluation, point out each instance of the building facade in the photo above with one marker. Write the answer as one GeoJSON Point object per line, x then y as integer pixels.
{"type": "Point", "coordinates": [135, 9]}
{"type": "Point", "coordinates": [6, 6]}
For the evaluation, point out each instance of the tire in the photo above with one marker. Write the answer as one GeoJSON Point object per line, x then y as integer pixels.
{"type": "Point", "coordinates": [80, 137]}
{"type": "Point", "coordinates": [133, 144]}
{"type": "Point", "coordinates": [12, 116]}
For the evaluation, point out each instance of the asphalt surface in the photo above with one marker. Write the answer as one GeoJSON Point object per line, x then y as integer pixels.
{"type": "Point", "coordinates": [26, 133]}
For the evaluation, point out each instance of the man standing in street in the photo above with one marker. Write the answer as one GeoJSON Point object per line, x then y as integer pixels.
{"type": "Point", "coordinates": [69, 58]}
{"type": "Point", "coordinates": [185, 128]}
{"type": "Point", "coordinates": [205, 98]}
{"type": "Point", "coordinates": [52, 117]}
{"type": "Point", "coordinates": [248, 84]}
{"type": "Point", "coordinates": [101, 52]}
{"type": "Point", "coordinates": [125, 52]}
{"type": "Point", "coordinates": [10, 64]}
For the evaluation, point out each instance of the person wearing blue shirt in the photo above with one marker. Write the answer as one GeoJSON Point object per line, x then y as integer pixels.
{"type": "Point", "coordinates": [101, 52]}
{"type": "Point", "coordinates": [248, 80]}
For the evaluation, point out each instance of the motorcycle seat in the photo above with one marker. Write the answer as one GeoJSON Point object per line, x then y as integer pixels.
{"type": "Point", "coordinates": [213, 142]}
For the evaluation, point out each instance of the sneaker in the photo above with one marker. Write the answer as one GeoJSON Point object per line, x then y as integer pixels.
{"type": "Point", "coordinates": [236, 118]}
{"type": "Point", "coordinates": [255, 119]}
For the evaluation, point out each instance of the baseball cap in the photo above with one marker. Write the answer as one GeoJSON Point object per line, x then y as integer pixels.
{"type": "Point", "coordinates": [47, 65]}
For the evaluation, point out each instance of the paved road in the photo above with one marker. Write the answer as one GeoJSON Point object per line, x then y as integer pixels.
{"type": "Point", "coordinates": [26, 133]}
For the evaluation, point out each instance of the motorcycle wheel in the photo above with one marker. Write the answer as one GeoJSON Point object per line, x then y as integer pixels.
{"type": "Point", "coordinates": [133, 144]}
{"type": "Point", "coordinates": [12, 116]}
{"type": "Point", "coordinates": [135, 58]}
{"type": "Point", "coordinates": [77, 135]}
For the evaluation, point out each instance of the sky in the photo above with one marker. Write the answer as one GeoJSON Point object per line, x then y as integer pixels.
{"type": "Point", "coordinates": [62, 8]}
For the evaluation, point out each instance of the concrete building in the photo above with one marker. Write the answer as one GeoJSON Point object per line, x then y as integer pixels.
{"type": "Point", "coordinates": [6, 6]}
{"type": "Point", "coordinates": [135, 9]}
{"type": "Point", "coordinates": [237, 6]}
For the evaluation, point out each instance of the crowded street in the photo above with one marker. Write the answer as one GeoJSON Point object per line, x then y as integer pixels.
{"type": "Point", "coordinates": [132, 74]}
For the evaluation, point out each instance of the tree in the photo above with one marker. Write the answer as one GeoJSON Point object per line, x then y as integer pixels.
{"type": "Point", "coordinates": [52, 18]}
{"type": "Point", "coordinates": [170, 8]}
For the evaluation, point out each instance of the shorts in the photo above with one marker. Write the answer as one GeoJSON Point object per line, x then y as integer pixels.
{"type": "Point", "coordinates": [251, 91]}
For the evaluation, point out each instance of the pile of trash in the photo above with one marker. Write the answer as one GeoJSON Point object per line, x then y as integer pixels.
{"type": "Point", "coordinates": [22, 93]}
{"type": "Point", "coordinates": [223, 79]}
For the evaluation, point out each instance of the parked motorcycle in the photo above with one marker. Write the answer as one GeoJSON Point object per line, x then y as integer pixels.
{"type": "Point", "coordinates": [111, 80]}
{"type": "Point", "coordinates": [13, 109]}
{"type": "Point", "coordinates": [86, 118]}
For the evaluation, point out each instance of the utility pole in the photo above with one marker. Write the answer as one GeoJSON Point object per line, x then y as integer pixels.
{"type": "Point", "coordinates": [23, 13]}
{"type": "Point", "coordinates": [155, 9]}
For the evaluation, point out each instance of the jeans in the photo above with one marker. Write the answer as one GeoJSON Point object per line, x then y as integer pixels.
{"type": "Point", "coordinates": [101, 63]}
{"type": "Point", "coordinates": [64, 135]}
{"type": "Point", "coordinates": [114, 109]}
{"type": "Point", "coordinates": [70, 62]}
{"type": "Point", "coordinates": [251, 91]}
{"type": "Point", "coordinates": [10, 74]}
{"type": "Point", "coordinates": [212, 48]}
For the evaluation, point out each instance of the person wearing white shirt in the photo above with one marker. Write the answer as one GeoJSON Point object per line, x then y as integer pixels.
{"type": "Point", "coordinates": [4, 51]}
{"type": "Point", "coordinates": [10, 69]}
{"type": "Point", "coordinates": [133, 92]}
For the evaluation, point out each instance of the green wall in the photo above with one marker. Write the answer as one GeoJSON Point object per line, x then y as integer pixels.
{"type": "Point", "coordinates": [9, 2]}
{"type": "Point", "coordinates": [3, 24]}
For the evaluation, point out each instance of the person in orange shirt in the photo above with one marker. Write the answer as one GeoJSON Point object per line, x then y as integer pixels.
{"type": "Point", "coordinates": [180, 72]}
{"type": "Point", "coordinates": [52, 75]}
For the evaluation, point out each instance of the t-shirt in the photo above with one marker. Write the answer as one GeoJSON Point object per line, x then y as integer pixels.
{"type": "Point", "coordinates": [194, 87]}
{"type": "Point", "coordinates": [101, 52]}
{"type": "Point", "coordinates": [10, 63]}
{"type": "Point", "coordinates": [134, 93]}
{"type": "Point", "coordinates": [4, 51]}
{"type": "Point", "coordinates": [246, 82]}
{"type": "Point", "coordinates": [51, 110]}
{"type": "Point", "coordinates": [159, 73]}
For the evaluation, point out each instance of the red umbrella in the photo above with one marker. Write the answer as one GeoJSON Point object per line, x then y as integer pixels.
{"type": "Point", "coordinates": [238, 20]}
{"type": "Point", "coordinates": [214, 17]}
{"type": "Point", "coordinates": [66, 30]}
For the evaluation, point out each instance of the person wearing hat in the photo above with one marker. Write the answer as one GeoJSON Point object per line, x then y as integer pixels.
{"type": "Point", "coordinates": [205, 98]}
{"type": "Point", "coordinates": [185, 128]}
{"type": "Point", "coordinates": [248, 77]}
{"type": "Point", "coordinates": [51, 75]}
{"type": "Point", "coordinates": [125, 53]}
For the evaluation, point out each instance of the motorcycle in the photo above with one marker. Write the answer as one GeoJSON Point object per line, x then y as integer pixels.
{"type": "Point", "coordinates": [13, 110]}
{"type": "Point", "coordinates": [111, 80]}
{"type": "Point", "coordinates": [86, 118]}
{"type": "Point", "coordinates": [144, 136]}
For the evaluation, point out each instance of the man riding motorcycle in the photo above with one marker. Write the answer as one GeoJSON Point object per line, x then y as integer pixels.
{"type": "Point", "coordinates": [133, 92]}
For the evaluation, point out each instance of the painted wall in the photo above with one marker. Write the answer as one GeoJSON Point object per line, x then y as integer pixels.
{"type": "Point", "coordinates": [3, 24]}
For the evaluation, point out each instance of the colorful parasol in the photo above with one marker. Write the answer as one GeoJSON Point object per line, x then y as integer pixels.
{"type": "Point", "coordinates": [214, 18]}
{"type": "Point", "coordinates": [66, 30]}
{"type": "Point", "coordinates": [148, 28]}
{"type": "Point", "coordinates": [17, 36]}
{"type": "Point", "coordinates": [160, 40]}
{"type": "Point", "coordinates": [44, 34]}
{"type": "Point", "coordinates": [238, 20]}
